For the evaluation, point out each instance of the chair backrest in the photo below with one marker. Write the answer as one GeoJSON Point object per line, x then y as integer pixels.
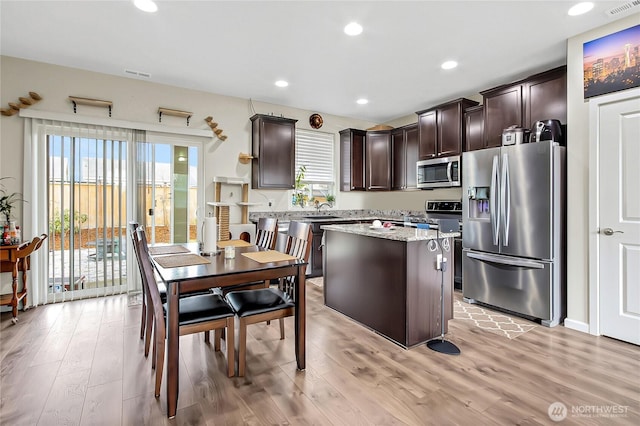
{"type": "Point", "coordinates": [148, 277]}
{"type": "Point", "coordinates": [267, 232]}
{"type": "Point", "coordinates": [299, 245]}
{"type": "Point", "coordinates": [299, 240]}
{"type": "Point", "coordinates": [25, 249]}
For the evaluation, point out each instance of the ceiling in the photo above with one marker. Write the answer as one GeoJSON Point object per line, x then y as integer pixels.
{"type": "Point", "coordinates": [240, 48]}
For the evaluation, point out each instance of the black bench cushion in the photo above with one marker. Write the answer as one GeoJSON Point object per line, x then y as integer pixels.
{"type": "Point", "coordinates": [252, 302]}
{"type": "Point", "coordinates": [201, 308]}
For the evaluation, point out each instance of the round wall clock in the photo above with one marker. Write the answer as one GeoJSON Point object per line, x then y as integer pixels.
{"type": "Point", "coordinates": [315, 120]}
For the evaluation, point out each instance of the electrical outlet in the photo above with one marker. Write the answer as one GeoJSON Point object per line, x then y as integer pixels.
{"type": "Point", "coordinates": [439, 262]}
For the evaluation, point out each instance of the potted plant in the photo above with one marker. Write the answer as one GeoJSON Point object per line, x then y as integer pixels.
{"type": "Point", "coordinates": [300, 188]}
{"type": "Point", "coordinates": [7, 202]}
{"type": "Point", "coordinates": [331, 199]}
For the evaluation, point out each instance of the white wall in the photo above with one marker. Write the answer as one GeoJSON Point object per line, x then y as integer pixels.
{"type": "Point", "coordinates": [578, 172]}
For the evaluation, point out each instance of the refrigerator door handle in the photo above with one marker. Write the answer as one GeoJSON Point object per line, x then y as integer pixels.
{"type": "Point", "coordinates": [505, 199]}
{"type": "Point", "coordinates": [493, 208]}
{"type": "Point", "coordinates": [502, 260]}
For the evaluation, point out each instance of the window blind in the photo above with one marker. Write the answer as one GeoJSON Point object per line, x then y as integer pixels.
{"type": "Point", "coordinates": [314, 150]}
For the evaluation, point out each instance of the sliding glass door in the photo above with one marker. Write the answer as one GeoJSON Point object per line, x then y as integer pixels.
{"type": "Point", "coordinates": [168, 191]}
{"type": "Point", "coordinates": [91, 200]}
{"type": "Point", "coordinates": [87, 214]}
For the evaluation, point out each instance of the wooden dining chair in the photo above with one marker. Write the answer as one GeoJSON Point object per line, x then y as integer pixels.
{"type": "Point", "coordinates": [146, 321]}
{"type": "Point", "coordinates": [265, 304]}
{"type": "Point", "coordinates": [200, 312]}
{"type": "Point", "coordinates": [22, 263]}
{"type": "Point", "coordinates": [266, 236]}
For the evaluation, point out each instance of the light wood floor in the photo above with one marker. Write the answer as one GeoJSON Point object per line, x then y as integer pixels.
{"type": "Point", "coordinates": [82, 363]}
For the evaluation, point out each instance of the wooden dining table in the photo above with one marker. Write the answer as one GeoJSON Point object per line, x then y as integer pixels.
{"type": "Point", "coordinates": [222, 272]}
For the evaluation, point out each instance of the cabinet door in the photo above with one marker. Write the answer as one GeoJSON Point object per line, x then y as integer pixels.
{"type": "Point", "coordinates": [274, 146]}
{"type": "Point", "coordinates": [378, 161]}
{"type": "Point", "coordinates": [352, 160]}
{"type": "Point", "coordinates": [411, 145]}
{"type": "Point", "coordinates": [545, 97]}
{"type": "Point", "coordinates": [428, 135]}
{"type": "Point", "coordinates": [502, 108]}
{"type": "Point", "coordinates": [449, 130]}
{"type": "Point", "coordinates": [399, 160]}
{"type": "Point", "coordinates": [474, 128]}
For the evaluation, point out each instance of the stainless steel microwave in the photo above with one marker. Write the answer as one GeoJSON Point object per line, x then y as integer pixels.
{"type": "Point", "coordinates": [439, 172]}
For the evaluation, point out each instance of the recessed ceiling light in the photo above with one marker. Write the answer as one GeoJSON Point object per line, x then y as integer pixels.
{"type": "Point", "coordinates": [580, 8]}
{"type": "Point", "coordinates": [282, 83]}
{"type": "Point", "coordinates": [146, 5]}
{"type": "Point", "coordinates": [448, 65]}
{"type": "Point", "coordinates": [353, 29]}
{"type": "Point", "coordinates": [362, 101]}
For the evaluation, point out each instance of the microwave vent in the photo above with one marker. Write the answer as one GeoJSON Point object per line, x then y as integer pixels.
{"type": "Point", "coordinates": [624, 9]}
{"type": "Point", "coordinates": [140, 73]}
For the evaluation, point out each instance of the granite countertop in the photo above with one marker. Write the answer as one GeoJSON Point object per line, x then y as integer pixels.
{"type": "Point", "coordinates": [335, 215]}
{"type": "Point", "coordinates": [398, 233]}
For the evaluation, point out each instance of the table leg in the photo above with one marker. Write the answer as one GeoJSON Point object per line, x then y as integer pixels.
{"type": "Point", "coordinates": [300, 318]}
{"type": "Point", "coordinates": [173, 349]}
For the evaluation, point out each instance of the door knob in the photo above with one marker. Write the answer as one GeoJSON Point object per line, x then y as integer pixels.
{"type": "Point", "coordinates": [609, 231]}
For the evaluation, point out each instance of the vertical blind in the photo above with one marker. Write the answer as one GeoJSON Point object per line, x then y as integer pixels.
{"type": "Point", "coordinates": [314, 150]}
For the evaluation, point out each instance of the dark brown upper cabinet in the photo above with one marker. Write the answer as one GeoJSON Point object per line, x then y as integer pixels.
{"type": "Point", "coordinates": [502, 108]}
{"type": "Point", "coordinates": [378, 160]}
{"type": "Point", "coordinates": [540, 97]}
{"type": "Point", "coordinates": [545, 97]}
{"type": "Point", "coordinates": [273, 148]}
{"type": "Point", "coordinates": [404, 155]}
{"type": "Point", "coordinates": [440, 129]}
{"type": "Point", "coordinates": [474, 128]}
{"type": "Point", "coordinates": [352, 160]}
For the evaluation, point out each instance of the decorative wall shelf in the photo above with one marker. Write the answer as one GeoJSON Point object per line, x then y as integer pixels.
{"type": "Point", "coordinates": [76, 100]}
{"type": "Point", "coordinates": [214, 127]}
{"type": "Point", "coordinates": [24, 103]}
{"type": "Point", "coordinates": [245, 158]}
{"type": "Point", "coordinates": [173, 112]}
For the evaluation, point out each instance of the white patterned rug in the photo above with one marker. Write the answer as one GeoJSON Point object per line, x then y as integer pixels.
{"type": "Point", "coordinates": [492, 321]}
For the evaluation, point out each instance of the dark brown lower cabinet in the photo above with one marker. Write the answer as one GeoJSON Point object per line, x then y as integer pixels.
{"type": "Point", "coordinates": [389, 286]}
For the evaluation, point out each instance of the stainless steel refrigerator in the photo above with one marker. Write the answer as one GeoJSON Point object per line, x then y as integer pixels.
{"type": "Point", "coordinates": [513, 239]}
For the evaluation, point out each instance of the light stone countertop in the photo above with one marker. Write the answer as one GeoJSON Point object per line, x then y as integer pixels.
{"type": "Point", "coordinates": [398, 233]}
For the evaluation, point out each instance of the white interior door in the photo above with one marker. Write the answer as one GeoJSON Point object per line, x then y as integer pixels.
{"type": "Point", "coordinates": [618, 135]}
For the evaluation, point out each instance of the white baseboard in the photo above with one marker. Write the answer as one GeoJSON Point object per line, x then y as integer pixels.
{"type": "Point", "coordinates": [576, 325]}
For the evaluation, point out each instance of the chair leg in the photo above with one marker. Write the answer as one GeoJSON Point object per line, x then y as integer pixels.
{"type": "Point", "coordinates": [149, 329]}
{"type": "Point", "coordinates": [143, 320]}
{"type": "Point", "coordinates": [281, 328]}
{"type": "Point", "coordinates": [231, 348]}
{"type": "Point", "coordinates": [159, 364]}
{"type": "Point", "coordinates": [217, 335]}
{"type": "Point", "coordinates": [155, 347]}
{"type": "Point", "coordinates": [242, 347]}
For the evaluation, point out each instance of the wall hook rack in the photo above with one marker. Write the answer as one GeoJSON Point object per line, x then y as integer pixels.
{"type": "Point", "coordinates": [24, 102]}
{"type": "Point", "coordinates": [214, 127]}
{"type": "Point", "coordinates": [76, 100]}
{"type": "Point", "coordinates": [173, 112]}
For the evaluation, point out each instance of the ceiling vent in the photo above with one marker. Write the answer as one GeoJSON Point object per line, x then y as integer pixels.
{"type": "Point", "coordinates": [624, 9]}
{"type": "Point", "coordinates": [144, 74]}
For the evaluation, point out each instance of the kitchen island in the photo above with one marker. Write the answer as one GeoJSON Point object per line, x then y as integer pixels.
{"type": "Point", "coordinates": [387, 279]}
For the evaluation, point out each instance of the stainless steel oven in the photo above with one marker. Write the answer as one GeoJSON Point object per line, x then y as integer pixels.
{"type": "Point", "coordinates": [438, 172]}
